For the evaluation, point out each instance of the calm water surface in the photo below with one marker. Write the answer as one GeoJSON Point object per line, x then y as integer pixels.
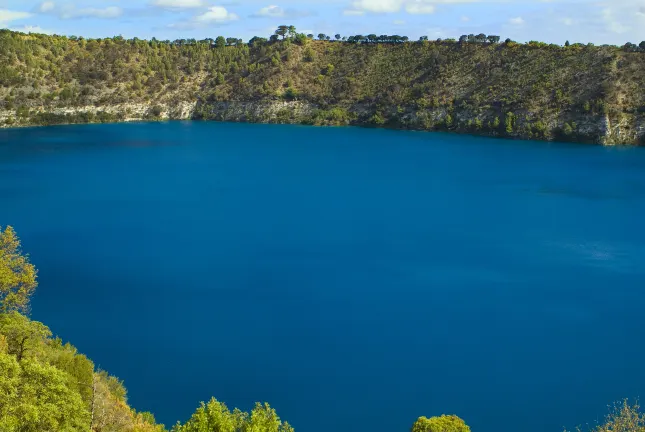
{"type": "Point", "coordinates": [355, 279]}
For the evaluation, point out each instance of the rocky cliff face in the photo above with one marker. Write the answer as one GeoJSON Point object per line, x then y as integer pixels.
{"type": "Point", "coordinates": [599, 129]}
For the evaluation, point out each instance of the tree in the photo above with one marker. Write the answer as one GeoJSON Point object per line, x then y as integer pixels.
{"type": "Point", "coordinates": [282, 31]}
{"type": "Point", "coordinates": [17, 274]}
{"type": "Point", "coordinates": [292, 31]}
{"type": "Point", "coordinates": [21, 334]}
{"type": "Point", "coordinates": [220, 42]}
{"type": "Point", "coordinates": [37, 397]}
{"type": "Point", "coordinates": [322, 36]}
{"type": "Point", "coordinates": [445, 423]}
{"type": "Point", "coordinates": [567, 44]}
{"type": "Point", "coordinates": [493, 39]}
{"type": "Point", "coordinates": [423, 38]}
{"type": "Point", "coordinates": [111, 412]}
{"type": "Point", "coordinates": [642, 45]}
{"type": "Point", "coordinates": [215, 416]}
{"type": "Point", "coordinates": [630, 47]}
{"type": "Point", "coordinates": [509, 122]}
{"type": "Point", "coordinates": [256, 41]}
{"type": "Point", "coordinates": [337, 36]}
{"type": "Point", "coordinates": [300, 39]}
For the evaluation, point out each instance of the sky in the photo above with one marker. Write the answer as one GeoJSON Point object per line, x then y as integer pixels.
{"type": "Point", "coordinates": [554, 21]}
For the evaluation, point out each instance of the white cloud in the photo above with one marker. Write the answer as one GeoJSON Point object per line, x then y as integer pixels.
{"type": "Point", "coordinates": [7, 15]}
{"type": "Point", "coordinates": [419, 7]}
{"type": "Point", "coordinates": [46, 6]}
{"type": "Point", "coordinates": [70, 11]}
{"type": "Point", "coordinates": [180, 4]}
{"type": "Point", "coordinates": [32, 29]}
{"type": "Point", "coordinates": [216, 14]}
{"type": "Point", "coordinates": [270, 11]}
{"type": "Point", "coordinates": [376, 6]}
{"type": "Point", "coordinates": [274, 11]}
{"type": "Point", "coordinates": [614, 25]}
{"type": "Point", "coordinates": [516, 21]}
{"type": "Point", "coordinates": [107, 12]}
{"type": "Point", "coordinates": [598, 21]}
{"type": "Point", "coordinates": [414, 7]}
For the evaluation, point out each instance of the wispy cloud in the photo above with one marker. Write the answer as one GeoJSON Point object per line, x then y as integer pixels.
{"type": "Point", "coordinates": [214, 15]}
{"type": "Point", "coordinates": [179, 4]}
{"type": "Point", "coordinates": [7, 16]}
{"type": "Point", "coordinates": [71, 11]}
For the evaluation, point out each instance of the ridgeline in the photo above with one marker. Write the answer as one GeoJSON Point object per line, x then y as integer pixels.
{"type": "Point", "coordinates": [476, 85]}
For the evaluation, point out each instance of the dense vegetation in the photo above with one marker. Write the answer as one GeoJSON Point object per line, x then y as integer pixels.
{"type": "Point", "coordinates": [477, 84]}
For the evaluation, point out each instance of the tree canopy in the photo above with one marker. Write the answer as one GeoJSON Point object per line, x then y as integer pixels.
{"type": "Point", "coordinates": [17, 274]}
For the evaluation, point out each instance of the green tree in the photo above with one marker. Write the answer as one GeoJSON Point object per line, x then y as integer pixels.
{"type": "Point", "coordinates": [22, 335]}
{"type": "Point", "coordinates": [37, 397]}
{"type": "Point", "coordinates": [17, 274]}
{"type": "Point", "coordinates": [509, 122]}
{"type": "Point", "coordinates": [623, 417]}
{"type": "Point", "coordinates": [215, 416]}
{"type": "Point", "coordinates": [445, 423]}
{"type": "Point", "coordinates": [220, 42]}
{"type": "Point", "coordinates": [265, 419]}
{"type": "Point", "coordinates": [567, 129]}
{"type": "Point", "coordinates": [282, 31]}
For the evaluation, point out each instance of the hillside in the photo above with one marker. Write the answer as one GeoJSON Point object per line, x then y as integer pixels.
{"type": "Point", "coordinates": [533, 91]}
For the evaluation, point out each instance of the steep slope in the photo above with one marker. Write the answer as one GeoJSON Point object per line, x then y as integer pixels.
{"type": "Point", "coordinates": [533, 91]}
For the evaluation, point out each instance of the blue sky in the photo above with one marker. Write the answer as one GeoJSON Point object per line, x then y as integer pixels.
{"type": "Point", "coordinates": [598, 21]}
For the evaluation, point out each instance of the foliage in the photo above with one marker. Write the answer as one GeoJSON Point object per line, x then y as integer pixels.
{"type": "Point", "coordinates": [215, 416]}
{"type": "Point", "coordinates": [445, 423]}
{"type": "Point", "coordinates": [623, 417]}
{"type": "Point", "coordinates": [38, 397]}
{"type": "Point", "coordinates": [17, 274]}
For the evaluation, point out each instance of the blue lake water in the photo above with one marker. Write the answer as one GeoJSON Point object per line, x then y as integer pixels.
{"type": "Point", "coordinates": [353, 278]}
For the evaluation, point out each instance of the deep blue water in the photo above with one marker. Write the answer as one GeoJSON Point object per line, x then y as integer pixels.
{"type": "Point", "coordinates": [355, 279]}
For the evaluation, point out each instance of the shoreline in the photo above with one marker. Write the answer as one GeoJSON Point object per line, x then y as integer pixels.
{"type": "Point", "coordinates": [599, 130]}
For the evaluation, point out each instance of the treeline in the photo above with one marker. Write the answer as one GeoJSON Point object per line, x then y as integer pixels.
{"type": "Point", "coordinates": [284, 32]}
